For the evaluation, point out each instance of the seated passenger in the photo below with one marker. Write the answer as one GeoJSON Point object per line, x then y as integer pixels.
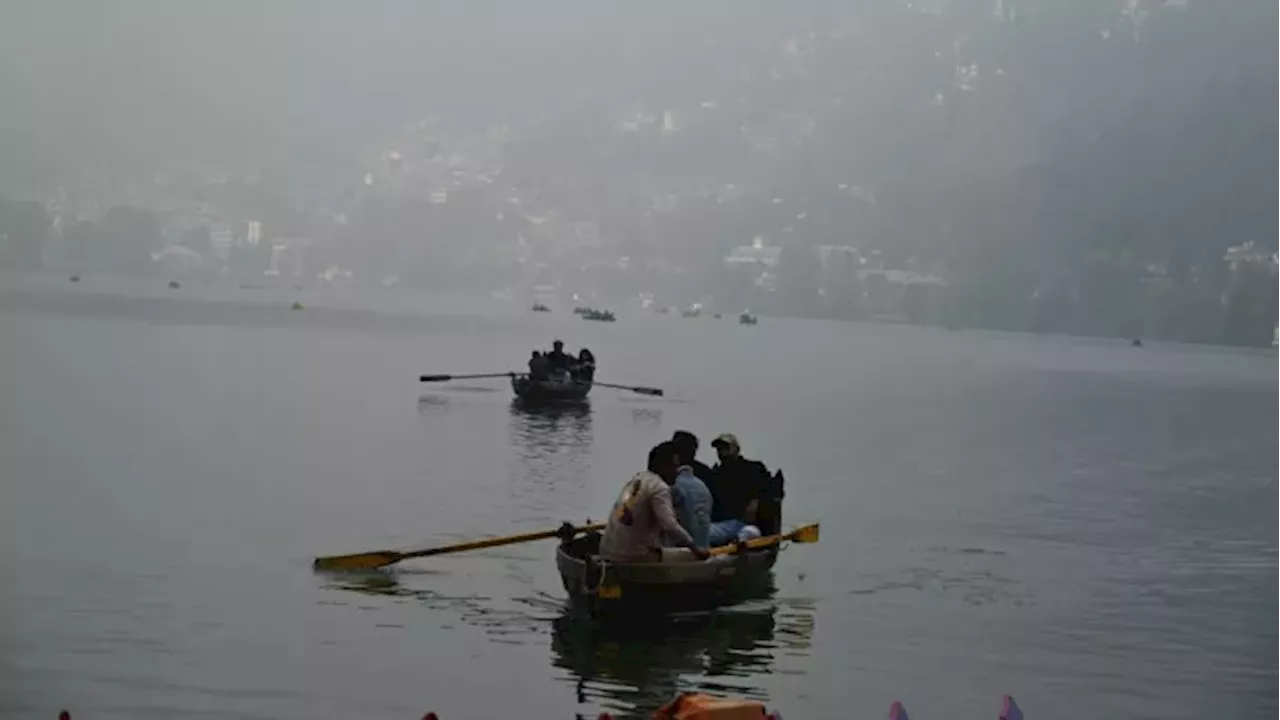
{"type": "Point", "coordinates": [687, 445]}
{"type": "Point", "coordinates": [691, 501]}
{"type": "Point", "coordinates": [586, 365]}
{"type": "Point", "coordinates": [643, 514]}
{"type": "Point", "coordinates": [537, 366]}
{"type": "Point", "coordinates": [738, 487]}
{"type": "Point", "coordinates": [558, 359]}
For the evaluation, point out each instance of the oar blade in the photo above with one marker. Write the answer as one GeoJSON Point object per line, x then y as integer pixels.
{"type": "Point", "coordinates": [358, 561]}
{"type": "Point", "coordinates": [435, 378]}
{"type": "Point", "coordinates": [806, 534]}
{"type": "Point", "coordinates": [656, 392]}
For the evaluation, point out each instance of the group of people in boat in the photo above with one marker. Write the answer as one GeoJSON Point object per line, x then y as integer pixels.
{"type": "Point", "coordinates": [679, 508]}
{"type": "Point", "coordinates": [561, 366]}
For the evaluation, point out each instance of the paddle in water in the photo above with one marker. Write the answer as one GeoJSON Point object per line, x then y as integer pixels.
{"type": "Point", "coordinates": [381, 558]}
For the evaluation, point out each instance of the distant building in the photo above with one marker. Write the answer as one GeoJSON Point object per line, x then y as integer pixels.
{"type": "Point", "coordinates": [1249, 254]}
{"type": "Point", "coordinates": [288, 257]}
{"type": "Point", "coordinates": [757, 253]}
{"type": "Point", "coordinates": [221, 238]}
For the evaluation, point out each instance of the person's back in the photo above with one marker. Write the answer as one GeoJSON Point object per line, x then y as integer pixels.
{"type": "Point", "coordinates": [643, 514]}
{"type": "Point", "coordinates": [691, 501]}
{"type": "Point", "coordinates": [632, 533]}
{"type": "Point", "coordinates": [538, 366]}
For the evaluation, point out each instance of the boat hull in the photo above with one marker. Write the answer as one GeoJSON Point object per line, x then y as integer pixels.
{"type": "Point", "coordinates": [628, 589]}
{"type": "Point", "coordinates": [549, 392]}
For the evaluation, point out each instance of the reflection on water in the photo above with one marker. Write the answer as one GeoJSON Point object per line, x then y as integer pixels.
{"type": "Point", "coordinates": [634, 668]}
{"type": "Point", "coordinates": [647, 416]}
{"type": "Point", "coordinates": [549, 455]}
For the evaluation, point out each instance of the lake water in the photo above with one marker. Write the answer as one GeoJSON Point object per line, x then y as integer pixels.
{"type": "Point", "coordinates": [1085, 525]}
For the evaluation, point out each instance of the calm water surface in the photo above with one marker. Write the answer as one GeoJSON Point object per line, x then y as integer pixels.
{"type": "Point", "coordinates": [1085, 525]}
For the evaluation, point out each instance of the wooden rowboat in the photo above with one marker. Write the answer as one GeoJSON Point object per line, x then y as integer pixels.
{"type": "Point", "coordinates": [549, 392]}
{"type": "Point", "coordinates": [607, 588]}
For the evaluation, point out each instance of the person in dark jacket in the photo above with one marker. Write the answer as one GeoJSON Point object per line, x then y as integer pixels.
{"type": "Point", "coordinates": [687, 445]}
{"type": "Point", "coordinates": [537, 366]}
{"type": "Point", "coordinates": [745, 496]}
{"type": "Point", "coordinates": [586, 365]}
{"type": "Point", "coordinates": [558, 360]}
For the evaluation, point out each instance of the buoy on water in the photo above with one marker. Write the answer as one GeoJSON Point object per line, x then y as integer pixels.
{"type": "Point", "coordinates": [297, 305]}
{"type": "Point", "coordinates": [174, 284]}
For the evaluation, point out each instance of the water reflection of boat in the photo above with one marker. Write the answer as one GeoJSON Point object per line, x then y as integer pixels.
{"type": "Point", "coordinates": [550, 449]}
{"type": "Point", "coordinates": [547, 431]}
{"type": "Point", "coordinates": [637, 667]}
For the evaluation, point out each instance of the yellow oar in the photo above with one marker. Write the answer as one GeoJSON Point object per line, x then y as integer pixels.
{"type": "Point", "coordinates": [381, 558]}
{"type": "Point", "coordinates": [802, 534]}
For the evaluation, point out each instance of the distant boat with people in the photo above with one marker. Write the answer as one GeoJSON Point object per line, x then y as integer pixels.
{"type": "Point", "coordinates": [539, 307]}
{"type": "Point", "coordinates": [747, 318]}
{"type": "Point", "coordinates": [599, 315]}
{"type": "Point", "coordinates": [548, 391]}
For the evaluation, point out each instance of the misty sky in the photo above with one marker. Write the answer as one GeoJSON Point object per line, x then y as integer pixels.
{"type": "Point", "coordinates": [157, 73]}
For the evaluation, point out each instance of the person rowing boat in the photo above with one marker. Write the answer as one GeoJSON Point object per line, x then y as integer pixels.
{"type": "Point", "coordinates": [643, 514]}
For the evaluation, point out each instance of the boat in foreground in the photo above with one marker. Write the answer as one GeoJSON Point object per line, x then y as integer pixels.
{"type": "Point", "coordinates": [605, 588]}
{"type": "Point", "coordinates": [550, 391]}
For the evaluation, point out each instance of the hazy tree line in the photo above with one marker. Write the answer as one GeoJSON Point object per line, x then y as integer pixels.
{"type": "Point", "coordinates": [1077, 167]}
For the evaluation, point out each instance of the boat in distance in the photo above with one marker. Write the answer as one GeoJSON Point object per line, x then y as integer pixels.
{"type": "Point", "coordinates": [550, 391]}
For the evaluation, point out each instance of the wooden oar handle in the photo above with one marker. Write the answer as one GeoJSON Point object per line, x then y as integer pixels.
{"type": "Point", "coordinates": [495, 542]}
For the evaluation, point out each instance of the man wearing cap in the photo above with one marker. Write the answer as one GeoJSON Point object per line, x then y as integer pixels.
{"type": "Point", "coordinates": [737, 485]}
